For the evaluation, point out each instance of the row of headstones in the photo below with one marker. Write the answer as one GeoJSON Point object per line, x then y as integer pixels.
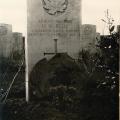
{"type": "Point", "coordinates": [10, 41]}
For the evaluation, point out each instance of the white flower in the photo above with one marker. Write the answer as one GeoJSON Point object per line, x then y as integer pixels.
{"type": "Point", "coordinates": [109, 46]}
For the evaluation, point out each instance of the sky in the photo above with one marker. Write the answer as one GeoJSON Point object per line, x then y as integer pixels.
{"type": "Point", "coordinates": [14, 12]}
{"type": "Point", "coordinates": [94, 11]}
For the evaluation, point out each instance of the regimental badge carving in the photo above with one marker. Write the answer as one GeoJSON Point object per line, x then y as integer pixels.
{"type": "Point", "coordinates": [3, 30]}
{"type": "Point", "coordinates": [87, 30]}
{"type": "Point", "coordinates": [55, 7]}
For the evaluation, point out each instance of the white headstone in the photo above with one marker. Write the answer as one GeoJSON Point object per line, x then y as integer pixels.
{"type": "Point", "coordinates": [5, 40]}
{"type": "Point", "coordinates": [88, 37]}
{"type": "Point", "coordinates": [49, 20]}
{"type": "Point", "coordinates": [18, 44]}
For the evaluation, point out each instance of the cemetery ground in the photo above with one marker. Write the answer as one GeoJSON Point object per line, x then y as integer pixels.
{"type": "Point", "coordinates": [66, 89]}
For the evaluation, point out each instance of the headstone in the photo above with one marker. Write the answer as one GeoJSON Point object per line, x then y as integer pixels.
{"type": "Point", "coordinates": [18, 44]}
{"type": "Point", "coordinates": [49, 20]}
{"type": "Point", "coordinates": [5, 40]}
{"type": "Point", "coordinates": [88, 37]}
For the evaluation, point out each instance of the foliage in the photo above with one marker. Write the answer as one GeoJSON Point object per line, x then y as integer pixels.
{"type": "Point", "coordinates": [77, 90]}
{"type": "Point", "coordinates": [16, 56]}
{"type": "Point", "coordinates": [109, 21]}
{"type": "Point", "coordinates": [103, 84]}
{"type": "Point", "coordinates": [89, 85]}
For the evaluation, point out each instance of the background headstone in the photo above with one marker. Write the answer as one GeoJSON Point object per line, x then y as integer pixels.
{"type": "Point", "coordinates": [88, 37]}
{"type": "Point", "coordinates": [5, 40]}
{"type": "Point", "coordinates": [18, 43]}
